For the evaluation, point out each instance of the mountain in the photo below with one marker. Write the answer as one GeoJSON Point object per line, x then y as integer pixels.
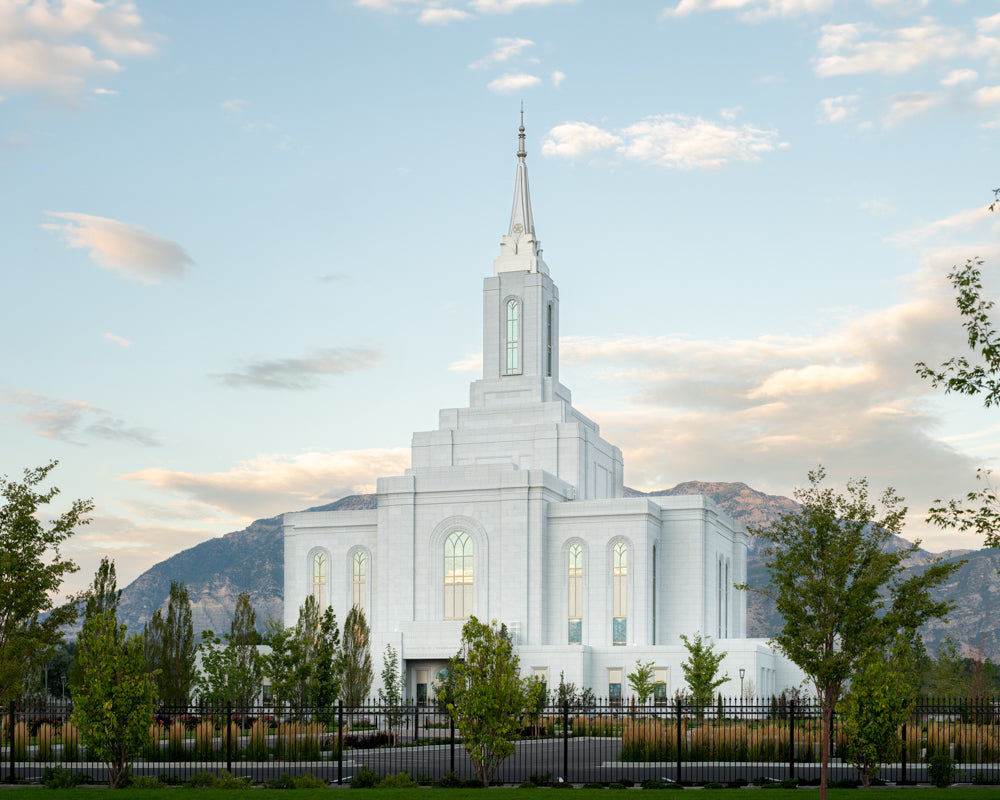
{"type": "Point", "coordinates": [252, 560]}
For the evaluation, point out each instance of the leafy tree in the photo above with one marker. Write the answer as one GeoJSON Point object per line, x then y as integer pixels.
{"type": "Point", "coordinates": [641, 680]}
{"type": "Point", "coordinates": [839, 586]}
{"type": "Point", "coordinates": [170, 647]}
{"type": "Point", "coordinates": [279, 664]}
{"type": "Point", "coordinates": [324, 688]}
{"type": "Point", "coordinates": [112, 693]}
{"type": "Point", "coordinates": [102, 597]}
{"type": "Point", "coordinates": [488, 697]}
{"type": "Point", "coordinates": [244, 660]}
{"type": "Point", "coordinates": [393, 681]}
{"type": "Point", "coordinates": [356, 658]}
{"type": "Point", "coordinates": [701, 670]}
{"type": "Point", "coordinates": [878, 703]}
{"type": "Point", "coordinates": [31, 571]}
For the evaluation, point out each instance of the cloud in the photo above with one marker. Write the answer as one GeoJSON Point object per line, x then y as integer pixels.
{"type": "Point", "coordinates": [260, 486]}
{"type": "Point", "coordinates": [118, 339]}
{"type": "Point", "coordinates": [57, 47]}
{"type": "Point", "coordinates": [856, 48]}
{"type": "Point", "coordinates": [74, 421]}
{"type": "Point", "coordinates": [958, 77]}
{"type": "Point", "coordinates": [121, 247]}
{"type": "Point", "coordinates": [442, 16]}
{"type": "Point", "coordinates": [752, 10]}
{"type": "Point", "coordinates": [910, 104]}
{"type": "Point", "coordinates": [302, 373]}
{"type": "Point", "coordinates": [838, 109]}
{"type": "Point", "coordinates": [573, 139]}
{"type": "Point", "coordinates": [505, 49]}
{"type": "Point", "coordinates": [233, 106]}
{"type": "Point", "coordinates": [558, 78]}
{"type": "Point", "coordinates": [960, 222]}
{"type": "Point", "coordinates": [678, 141]}
{"type": "Point", "coordinates": [511, 82]}
{"type": "Point", "coordinates": [507, 6]}
{"type": "Point", "coordinates": [987, 96]}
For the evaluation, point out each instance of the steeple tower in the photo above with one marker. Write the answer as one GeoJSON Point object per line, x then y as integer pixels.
{"type": "Point", "coordinates": [519, 249]}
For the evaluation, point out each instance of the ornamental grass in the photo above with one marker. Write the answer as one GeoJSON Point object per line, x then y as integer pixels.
{"type": "Point", "coordinates": [256, 742]}
{"type": "Point", "coordinates": [176, 736]}
{"type": "Point", "coordinates": [46, 739]}
{"type": "Point", "coordinates": [70, 738]}
{"type": "Point", "coordinates": [204, 740]}
{"type": "Point", "coordinates": [22, 736]}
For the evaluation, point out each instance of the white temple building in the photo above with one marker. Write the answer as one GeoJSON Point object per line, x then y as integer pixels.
{"type": "Point", "coordinates": [513, 510]}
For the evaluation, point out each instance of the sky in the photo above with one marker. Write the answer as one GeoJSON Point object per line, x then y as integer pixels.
{"type": "Point", "coordinates": [243, 243]}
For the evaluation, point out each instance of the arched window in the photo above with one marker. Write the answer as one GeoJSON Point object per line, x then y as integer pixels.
{"type": "Point", "coordinates": [359, 580]}
{"type": "Point", "coordinates": [513, 337]}
{"type": "Point", "coordinates": [458, 574]}
{"type": "Point", "coordinates": [319, 567]}
{"type": "Point", "coordinates": [727, 600]}
{"type": "Point", "coordinates": [548, 342]}
{"type": "Point", "coordinates": [575, 575]}
{"type": "Point", "coordinates": [653, 593]}
{"type": "Point", "coordinates": [619, 590]}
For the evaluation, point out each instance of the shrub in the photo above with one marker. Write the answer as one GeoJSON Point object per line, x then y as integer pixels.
{"type": "Point", "coordinates": [941, 769]}
{"type": "Point", "coordinates": [617, 785]}
{"type": "Point", "coordinates": [60, 778]}
{"type": "Point", "coordinates": [308, 781]}
{"type": "Point", "coordinates": [649, 783]}
{"type": "Point", "coordinates": [224, 780]}
{"type": "Point", "coordinates": [283, 782]}
{"type": "Point", "coordinates": [527, 785]}
{"type": "Point", "coordinates": [143, 782]}
{"type": "Point", "coordinates": [365, 779]}
{"type": "Point", "coordinates": [540, 779]}
{"type": "Point", "coordinates": [473, 783]}
{"type": "Point", "coordinates": [713, 785]}
{"type": "Point", "coordinates": [401, 780]}
{"type": "Point", "coordinates": [449, 780]}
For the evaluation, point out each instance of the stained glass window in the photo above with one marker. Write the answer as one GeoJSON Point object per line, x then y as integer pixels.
{"type": "Point", "coordinates": [319, 566]}
{"type": "Point", "coordinates": [575, 576]}
{"type": "Point", "coordinates": [458, 574]}
{"type": "Point", "coordinates": [360, 579]}
{"type": "Point", "coordinates": [619, 589]}
{"type": "Point", "coordinates": [513, 336]}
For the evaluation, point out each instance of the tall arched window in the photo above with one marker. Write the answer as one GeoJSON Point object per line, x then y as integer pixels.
{"type": "Point", "coordinates": [458, 575]}
{"type": "Point", "coordinates": [575, 575]}
{"type": "Point", "coordinates": [718, 599]}
{"type": "Point", "coordinates": [319, 566]}
{"type": "Point", "coordinates": [619, 589]}
{"type": "Point", "coordinates": [359, 580]}
{"type": "Point", "coordinates": [727, 600]}
{"type": "Point", "coordinates": [513, 337]}
{"type": "Point", "coordinates": [548, 342]}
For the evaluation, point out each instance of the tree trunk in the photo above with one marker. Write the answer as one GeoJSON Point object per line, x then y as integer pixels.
{"type": "Point", "coordinates": [825, 763]}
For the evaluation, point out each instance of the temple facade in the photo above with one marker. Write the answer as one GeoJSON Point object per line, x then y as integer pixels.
{"type": "Point", "coordinates": [513, 510]}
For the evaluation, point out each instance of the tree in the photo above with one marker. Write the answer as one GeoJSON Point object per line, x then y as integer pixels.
{"type": "Point", "coordinates": [489, 696]}
{"type": "Point", "coordinates": [393, 681]}
{"type": "Point", "coordinates": [279, 664]}
{"type": "Point", "coordinates": [641, 681]}
{"type": "Point", "coordinates": [878, 703]}
{"type": "Point", "coordinates": [32, 570]}
{"type": "Point", "coordinates": [356, 658]}
{"type": "Point", "coordinates": [170, 647]}
{"type": "Point", "coordinates": [113, 695]}
{"type": "Point", "coordinates": [701, 670]}
{"type": "Point", "coordinates": [978, 511]}
{"type": "Point", "coordinates": [839, 587]}
{"type": "Point", "coordinates": [324, 688]}
{"type": "Point", "coordinates": [244, 660]}
{"type": "Point", "coordinates": [102, 597]}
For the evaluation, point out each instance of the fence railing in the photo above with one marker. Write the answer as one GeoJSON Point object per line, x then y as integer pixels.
{"type": "Point", "coordinates": [725, 741]}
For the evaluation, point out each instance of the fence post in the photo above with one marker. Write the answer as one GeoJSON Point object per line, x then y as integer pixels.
{"type": "Point", "coordinates": [902, 778]}
{"type": "Point", "coordinates": [10, 729]}
{"type": "Point", "coordinates": [229, 736]}
{"type": "Point", "coordinates": [679, 736]}
{"type": "Point", "coordinates": [566, 740]}
{"type": "Point", "coordinates": [451, 719]}
{"type": "Point", "coordinates": [340, 742]}
{"type": "Point", "coordinates": [791, 738]}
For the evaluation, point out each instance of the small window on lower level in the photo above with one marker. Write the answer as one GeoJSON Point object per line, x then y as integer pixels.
{"type": "Point", "coordinates": [615, 687]}
{"type": "Point", "coordinates": [660, 686]}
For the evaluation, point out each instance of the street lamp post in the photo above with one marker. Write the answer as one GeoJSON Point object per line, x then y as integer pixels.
{"type": "Point", "coordinates": [742, 673]}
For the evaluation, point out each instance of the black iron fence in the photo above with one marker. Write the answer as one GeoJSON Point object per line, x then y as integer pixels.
{"type": "Point", "coordinates": [725, 741]}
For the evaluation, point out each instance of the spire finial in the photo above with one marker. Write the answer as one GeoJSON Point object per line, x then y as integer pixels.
{"type": "Point", "coordinates": [521, 152]}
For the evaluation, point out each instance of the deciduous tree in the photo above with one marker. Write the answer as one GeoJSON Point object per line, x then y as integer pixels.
{"type": "Point", "coordinates": [488, 695]}
{"type": "Point", "coordinates": [641, 681]}
{"type": "Point", "coordinates": [32, 570]}
{"type": "Point", "coordinates": [170, 647]}
{"type": "Point", "coordinates": [113, 695]}
{"type": "Point", "coordinates": [701, 670]}
{"type": "Point", "coordinates": [356, 658]}
{"type": "Point", "coordinates": [839, 585]}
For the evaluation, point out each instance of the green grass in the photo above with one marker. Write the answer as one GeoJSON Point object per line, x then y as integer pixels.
{"type": "Point", "coordinates": [38, 793]}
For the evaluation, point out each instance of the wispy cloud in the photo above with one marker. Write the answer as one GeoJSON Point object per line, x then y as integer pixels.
{"type": "Point", "coordinates": [512, 82]}
{"type": "Point", "coordinates": [507, 6]}
{"type": "Point", "coordinates": [280, 482]}
{"type": "Point", "coordinates": [678, 141]}
{"type": "Point", "coordinates": [442, 12]}
{"type": "Point", "coordinates": [856, 48]}
{"type": "Point", "coordinates": [442, 15]}
{"type": "Point", "coordinates": [119, 340]}
{"type": "Point", "coordinates": [119, 246]}
{"type": "Point", "coordinates": [302, 373]}
{"type": "Point", "coordinates": [58, 47]}
{"type": "Point", "coordinates": [558, 78]}
{"type": "Point", "coordinates": [74, 421]}
{"type": "Point", "coordinates": [750, 10]}
{"type": "Point", "coordinates": [504, 49]}
{"type": "Point", "coordinates": [839, 109]}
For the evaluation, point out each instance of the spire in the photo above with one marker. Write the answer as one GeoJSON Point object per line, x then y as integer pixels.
{"type": "Point", "coordinates": [520, 214]}
{"type": "Point", "coordinates": [519, 250]}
